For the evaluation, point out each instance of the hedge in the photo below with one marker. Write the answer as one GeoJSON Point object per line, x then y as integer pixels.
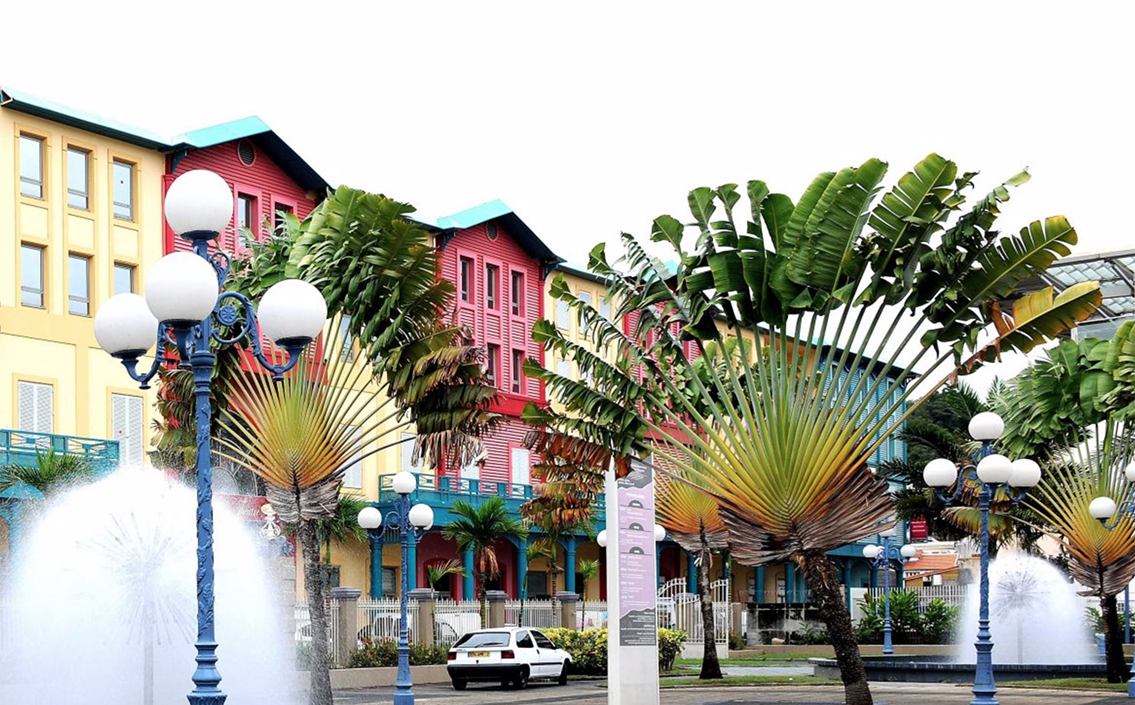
{"type": "Point", "coordinates": [588, 648]}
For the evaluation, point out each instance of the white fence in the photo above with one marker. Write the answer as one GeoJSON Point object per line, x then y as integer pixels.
{"type": "Point", "coordinates": [951, 594]}
{"type": "Point", "coordinates": [382, 619]}
{"type": "Point", "coordinates": [591, 615]}
{"type": "Point", "coordinates": [452, 619]}
{"type": "Point", "coordinates": [540, 614]}
{"type": "Point", "coordinates": [678, 609]}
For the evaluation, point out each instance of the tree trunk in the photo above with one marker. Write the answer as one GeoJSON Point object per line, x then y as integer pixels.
{"type": "Point", "coordinates": [819, 571]}
{"type": "Point", "coordinates": [1117, 670]}
{"type": "Point", "coordinates": [710, 666]}
{"type": "Point", "coordinates": [317, 608]}
{"type": "Point", "coordinates": [482, 587]}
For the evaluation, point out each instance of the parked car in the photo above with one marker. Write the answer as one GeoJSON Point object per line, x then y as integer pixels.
{"type": "Point", "coordinates": [511, 655]}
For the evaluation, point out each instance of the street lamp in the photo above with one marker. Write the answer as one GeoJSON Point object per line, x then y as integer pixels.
{"type": "Point", "coordinates": [184, 306]}
{"type": "Point", "coordinates": [410, 521]}
{"type": "Point", "coordinates": [882, 554]}
{"type": "Point", "coordinates": [659, 537]}
{"type": "Point", "coordinates": [1110, 514]}
{"type": "Point", "coordinates": [991, 472]}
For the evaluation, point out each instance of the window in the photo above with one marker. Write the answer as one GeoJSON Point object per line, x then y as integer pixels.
{"type": "Point", "coordinates": [31, 166]}
{"type": "Point", "coordinates": [472, 471]}
{"type": "Point", "coordinates": [537, 584]}
{"type": "Point", "coordinates": [122, 175]}
{"type": "Point", "coordinates": [283, 210]}
{"type": "Point", "coordinates": [123, 278]}
{"type": "Point", "coordinates": [524, 641]}
{"type": "Point", "coordinates": [245, 211]}
{"type": "Point", "coordinates": [517, 295]}
{"type": "Point", "coordinates": [389, 580]}
{"type": "Point", "coordinates": [491, 231]}
{"type": "Point", "coordinates": [563, 369]}
{"type": "Point", "coordinates": [492, 363]}
{"type": "Point", "coordinates": [542, 641]}
{"type": "Point", "coordinates": [78, 178]}
{"type": "Point", "coordinates": [35, 407]}
{"type": "Point", "coordinates": [517, 371]}
{"type": "Point", "coordinates": [407, 447]}
{"type": "Point", "coordinates": [31, 276]}
{"type": "Point", "coordinates": [345, 339]}
{"type": "Point", "coordinates": [520, 463]}
{"type": "Point", "coordinates": [353, 476]}
{"type": "Point", "coordinates": [605, 307]}
{"type": "Point", "coordinates": [585, 297]}
{"type": "Point", "coordinates": [563, 315]}
{"type": "Point", "coordinates": [126, 419]}
{"type": "Point", "coordinates": [466, 277]}
{"type": "Point", "coordinates": [78, 285]}
{"type": "Point", "coordinates": [492, 285]}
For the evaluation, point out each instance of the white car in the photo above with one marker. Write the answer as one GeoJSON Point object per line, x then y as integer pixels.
{"type": "Point", "coordinates": [511, 655]}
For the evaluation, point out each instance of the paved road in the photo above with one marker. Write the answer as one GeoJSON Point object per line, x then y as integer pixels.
{"type": "Point", "coordinates": [592, 693]}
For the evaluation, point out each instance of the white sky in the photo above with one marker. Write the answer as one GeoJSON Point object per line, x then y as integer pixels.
{"type": "Point", "coordinates": [591, 118]}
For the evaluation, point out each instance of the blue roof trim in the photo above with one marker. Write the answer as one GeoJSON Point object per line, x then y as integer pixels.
{"type": "Point", "coordinates": [250, 127]}
{"type": "Point", "coordinates": [50, 110]}
{"type": "Point", "coordinates": [517, 228]}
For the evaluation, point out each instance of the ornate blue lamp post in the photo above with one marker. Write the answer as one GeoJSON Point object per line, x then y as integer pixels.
{"type": "Point", "coordinates": [411, 522]}
{"type": "Point", "coordinates": [1109, 514]}
{"type": "Point", "coordinates": [184, 306]}
{"type": "Point", "coordinates": [884, 554]}
{"type": "Point", "coordinates": [991, 472]}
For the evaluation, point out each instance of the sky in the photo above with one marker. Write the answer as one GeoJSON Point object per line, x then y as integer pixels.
{"type": "Point", "coordinates": [593, 118]}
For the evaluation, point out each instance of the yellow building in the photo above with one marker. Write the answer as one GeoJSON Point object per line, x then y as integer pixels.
{"type": "Point", "coordinates": [80, 220]}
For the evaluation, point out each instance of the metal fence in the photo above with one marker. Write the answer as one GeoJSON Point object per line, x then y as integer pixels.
{"type": "Point", "coordinates": [453, 619]}
{"type": "Point", "coordinates": [382, 619]}
{"type": "Point", "coordinates": [537, 613]}
{"type": "Point", "coordinates": [303, 623]}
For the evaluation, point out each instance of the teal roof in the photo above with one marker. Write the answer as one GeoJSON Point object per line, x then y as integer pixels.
{"type": "Point", "coordinates": [517, 228]}
{"type": "Point", "coordinates": [250, 127]}
{"type": "Point", "coordinates": [474, 216]}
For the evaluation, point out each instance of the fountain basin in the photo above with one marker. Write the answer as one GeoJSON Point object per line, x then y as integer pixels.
{"type": "Point", "coordinates": [936, 669]}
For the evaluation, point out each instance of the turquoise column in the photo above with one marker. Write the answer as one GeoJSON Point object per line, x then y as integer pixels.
{"type": "Point", "coordinates": [468, 590]}
{"type": "Point", "coordinates": [759, 585]}
{"type": "Point", "coordinates": [521, 569]}
{"type": "Point", "coordinates": [569, 564]}
{"type": "Point", "coordinates": [691, 573]}
{"type": "Point", "coordinates": [412, 562]}
{"type": "Point", "coordinates": [790, 582]}
{"type": "Point", "coordinates": [376, 566]}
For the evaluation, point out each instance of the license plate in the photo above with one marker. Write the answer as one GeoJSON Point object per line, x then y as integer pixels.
{"type": "Point", "coordinates": [478, 654]}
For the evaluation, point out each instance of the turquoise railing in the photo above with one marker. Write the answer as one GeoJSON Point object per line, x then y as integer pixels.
{"type": "Point", "coordinates": [21, 448]}
{"type": "Point", "coordinates": [442, 492]}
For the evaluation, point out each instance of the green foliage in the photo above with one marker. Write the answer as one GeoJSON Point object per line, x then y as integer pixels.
{"type": "Point", "coordinates": [812, 634]}
{"type": "Point", "coordinates": [588, 648]}
{"type": "Point", "coordinates": [53, 472]}
{"type": "Point", "coordinates": [377, 653]}
{"type": "Point", "coordinates": [935, 625]}
{"type": "Point", "coordinates": [438, 572]}
{"type": "Point", "coordinates": [1093, 617]}
{"type": "Point", "coordinates": [477, 528]}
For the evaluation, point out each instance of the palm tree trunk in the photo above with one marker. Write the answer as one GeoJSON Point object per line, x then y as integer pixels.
{"type": "Point", "coordinates": [482, 587]}
{"type": "Point", "coordinates": [819, 571]}
{"type": "Point", "coordinates": [710, 666]}
{"type": "Point", "coordinates": [1117, 670]}
{"type": "Point", "coordinates": [313, 581]}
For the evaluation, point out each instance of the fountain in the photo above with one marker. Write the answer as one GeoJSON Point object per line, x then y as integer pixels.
{"type": "Point", "coordinates": [105, 602]}
{"type": "Point", "coordinates": [1037, 624]}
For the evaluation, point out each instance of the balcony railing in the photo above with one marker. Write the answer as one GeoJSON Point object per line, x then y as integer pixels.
{"type": "Point", "coordinates": [442, 492]}
{"type": "Point", "coordinates": [22, 447]}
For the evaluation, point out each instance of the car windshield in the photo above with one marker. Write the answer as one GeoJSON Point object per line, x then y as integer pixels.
{"type": "Point", "coordinates": [482, 639]}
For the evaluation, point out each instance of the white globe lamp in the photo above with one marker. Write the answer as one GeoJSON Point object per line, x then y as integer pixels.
{"type": "Point", "coordinates": [291, 312]}
{"type": "Point", "coordinates": [1129, 471]}
{"type": "Point", "coordinates": [124, 326]}
{"type": "Point", "coordinates": [1026, 473]}
{"type": "Point", "coordinates": [601, 539]}
{"type": "Point", "coordinates": [199, 201]}
{"type": "Point", "coordinates": [871, 552]}
{"type": "Point", "coordinates": [181, 289]}
{"type": "Point", "coordinates": [1102, 508]}
{"type": "Point", "coordinates": [370, 518]}
{"type": "Point", "coordinates": [659, 534]}
{"type": "Point", "coordinates": [909, 551]}
{"type": "Point", "coordinates": [940, 473]}
{"type": "Point", "coordinates": [995, 469]}
{"type": "Point", "coordinates": [422, 516]}
{"type": "Point", "coordinates": [986, 426]}
{"type": "Point", "coordinates": [404, 482]}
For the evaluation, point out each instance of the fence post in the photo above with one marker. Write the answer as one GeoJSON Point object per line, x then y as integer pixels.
{"type": "Point", "coordinates": [427, 609]}
{"type": "Point", "coordinates": [347, 623]}
{"type": "Point", "coordinates": [734, 621]}
{"type": "Point", "coordinates": [496, 600]}
{"type": "Point", "coordinates": [566, 617]}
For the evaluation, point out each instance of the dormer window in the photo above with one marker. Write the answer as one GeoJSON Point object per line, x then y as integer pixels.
{"type": "Point", "coordinates": [516, 293]}
{"type": "Point", "coordinates": [492, 285]}
{"type": "Point", "coordinates": [465, 274]}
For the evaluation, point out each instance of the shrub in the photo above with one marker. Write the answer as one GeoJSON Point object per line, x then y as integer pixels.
{"type": "Point", "coordinates": [812, 634]}
{"type": "Point", "coordinates": [936, 624]}
{"type": "Point", "coordinates": [384, 652]}
{"type": "Point", "coordinates": [588, 648]}
{"type": "Point", "coordinates": [940, 621]}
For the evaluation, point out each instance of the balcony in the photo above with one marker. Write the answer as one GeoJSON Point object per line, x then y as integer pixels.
{"type": "Point", "coordinates": [22, 447]}
{"type": "Point", "coordinates": [441, 493]}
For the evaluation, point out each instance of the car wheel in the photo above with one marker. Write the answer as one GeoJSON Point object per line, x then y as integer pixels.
{"type": "Point", "coordinates": [562, 680]}
{"type": "Point", "coordinates": [459, 684]}
{"type": "Point", "coordinates": [521, 680]}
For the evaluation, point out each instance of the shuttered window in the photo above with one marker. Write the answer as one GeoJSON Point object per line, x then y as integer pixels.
{"type": "Point", "coordinates": [563, 315]}
{"type": "Point", "coordinates": [519, 465]}
{"type": "Point", "coordinates": [585, 297]}
{"type": "Point", "coordinates": [126, 418]}
{"type": "Point", "coordinates": [407, 447]}
{"type": "Point", "coordinates": [353, 477]}
{"type": "Point", "coordinates": [35, 407]}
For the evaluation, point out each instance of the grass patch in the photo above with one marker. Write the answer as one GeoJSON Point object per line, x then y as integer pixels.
{"type": "Point", "coordinates": [1070, 684]}
{"type": "Point", "coordinates": [748, 680]}
{"type": "Point", "coordinates": [749, 660]}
